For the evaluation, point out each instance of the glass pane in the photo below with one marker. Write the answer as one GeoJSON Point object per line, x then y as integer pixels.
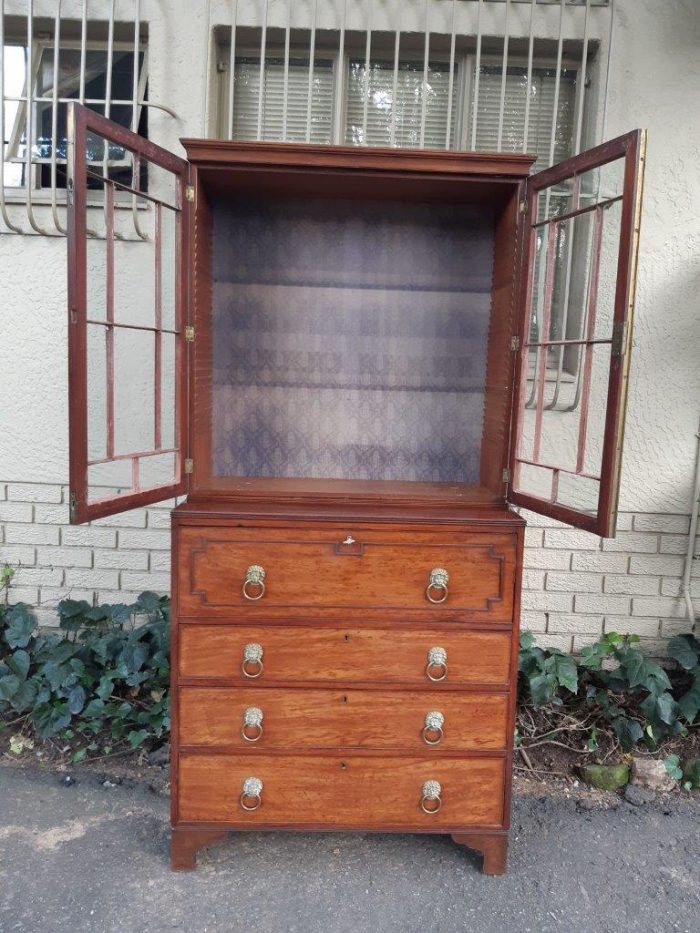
{"type": "Point", "coordinates": [563, 457]}
{"type": "Point", "coordinates": [551, 113]}
{"type": "Point", "coordinates": [395, 118]}
{"type": "Point", "coordinates": [280, 122]}
{"type": "Point", "coordinates": [133, 323]}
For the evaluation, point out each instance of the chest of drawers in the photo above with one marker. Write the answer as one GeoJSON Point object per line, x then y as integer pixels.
{"type": "Point", "coordinates": [343, 676]}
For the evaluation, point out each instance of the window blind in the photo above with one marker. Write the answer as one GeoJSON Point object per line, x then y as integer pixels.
{"type": "Point", "coordinates": [541, 117]}
{"type": "Point", "coordinates": [246, 97]}
{"type": "Point", "coordinates": [407, 106]}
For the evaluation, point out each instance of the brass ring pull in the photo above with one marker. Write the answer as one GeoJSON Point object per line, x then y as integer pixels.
{"type": "Point", "coordinates": [431, 801]}
{"type": "Point", "coordinates": [437, 659]}
{"type": "Point", "coordinates": [254, 583]}
{"type": "Point", "coordinates": [439, 578]}
{"type": "Point", "coordinates": [252, 722]}
{"type": "Point", "coordinates": [252, 657]}
{"type": "Point", "coordinates": [432, 732]}
{"type": "Point", "coordinates": [252, 790]}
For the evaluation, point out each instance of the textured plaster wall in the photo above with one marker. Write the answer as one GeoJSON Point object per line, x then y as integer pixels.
{"type": "Point", "coordinates": [654, 82]}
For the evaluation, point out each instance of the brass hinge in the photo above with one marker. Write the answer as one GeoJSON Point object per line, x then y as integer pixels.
{"type": "Point", "coordinates": [506, 475]}
{"type": "Point", "coordinates": [189, 465]}
{"type": "Point", "coordinates": [619, 335]}
{"type": "Point", "coordinates": [189, 192]}
{"type": "Point", "coordinates": [515, 343]}
{"type": "Point", "coordinates": [523, 206]}
{"type": "Point", "coordinates": [189, 333]}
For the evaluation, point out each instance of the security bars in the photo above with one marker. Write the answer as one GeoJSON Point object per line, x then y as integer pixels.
{"type": "Point", "coordinates": [411, 46]}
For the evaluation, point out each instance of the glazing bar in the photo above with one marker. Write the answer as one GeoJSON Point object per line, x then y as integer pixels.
{"type": "Point", "coordinates": [158, 342]}
{"type": "Point", "coordinates": [139, 455]}
{"type": "Point", "coordinates": [109, 299]}
{"type": "Point", "coordinates": [546, 319]}
{"type": "Point", "coordinates": [586, 209]}
{"type": "Point", "coordinates": [590, 331]}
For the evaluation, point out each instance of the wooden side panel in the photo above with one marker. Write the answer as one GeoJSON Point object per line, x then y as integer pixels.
{"type": "Point", "coordinates": [344, 792]}
{"type": "Point", "coordinates": [292, 718]}
{"type": "Point", "coordinates": [500, 363]}
{"type": "Point", "coordinates": [300, 654]}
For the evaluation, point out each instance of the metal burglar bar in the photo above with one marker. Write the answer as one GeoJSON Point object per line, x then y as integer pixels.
{"type": "Point", "coordinates": [449, 73]}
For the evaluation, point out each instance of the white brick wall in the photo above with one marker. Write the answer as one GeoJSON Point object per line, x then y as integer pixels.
{"type": "Point", "coordinates": [110, 560]}
{"type": "Point", "coordinates": [575, 586]}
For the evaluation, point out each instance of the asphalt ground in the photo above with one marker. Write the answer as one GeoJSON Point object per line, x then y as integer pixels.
{"type": "Point", "coordinates": [89, 857]}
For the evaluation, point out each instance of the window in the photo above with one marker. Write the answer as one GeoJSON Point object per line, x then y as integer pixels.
{"type": "Point", "coordinates": [394, 117]}
{"type": "Point", "coordinates": [389, 103]}
{"type": "Point", "coordinates": [302, 119]}
{"type": "Point", "coordinates": [106, 84]}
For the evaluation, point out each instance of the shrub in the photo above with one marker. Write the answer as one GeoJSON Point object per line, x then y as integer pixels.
{"type": "Point", "coordinates": [618, 685]}
{"type": "Point", "coordinates": [101, 681]}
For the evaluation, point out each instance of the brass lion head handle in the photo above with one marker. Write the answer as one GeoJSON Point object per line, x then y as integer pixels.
{"type": "Point", "coordinates": [436, 590]}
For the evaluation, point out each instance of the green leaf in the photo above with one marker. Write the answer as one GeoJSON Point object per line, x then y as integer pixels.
{"type": "Point", "coordinates": [9, 685]}
{"type": "Point", "coordinates": [692, 773]}
{"type": "Point", "coordinates": [682, 649]}
{"type": "Point", "coordinates": [24, 697]}
{"type": "Point", "coordinates": [79, 755]}
{"type": "Point", "coordinates": [148, 601]}
{"type": "Point", "coordinates": [672, 765]}
{"type": "Point", "coordinates": [20, 625]}
{"type": "Point", "coordinates": [666, 708]}
{"type": "Point", "coordinates": [94, 709]}
{"type": "Point", "coordinates": [689, 704]}
{"type": "Point", "coordinates": [136, 737]}
{"type": "Point", "coordinates": [19, 663]}
{"type": "Point", "coordinates": [76, 699]}
{"type": "Point", "coordinates": [628, 731]}
{"type": "Point", "coordinates": [567, 672]}
{"type": "Point", "coordinates": [527, 640]}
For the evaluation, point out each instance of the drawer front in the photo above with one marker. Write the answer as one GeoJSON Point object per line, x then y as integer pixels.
{"type": "Point", "coordinates": [314, 569]}
{"type": "Point", "coordinates": [215, 716]}
{"type": "Point", "coordinates": [343, 791]}
{"type": "Point", "coordinates": [304, 654]}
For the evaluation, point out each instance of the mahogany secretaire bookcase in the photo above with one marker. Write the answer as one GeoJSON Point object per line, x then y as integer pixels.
{"type": "Point", "coordinates": [350, 361]}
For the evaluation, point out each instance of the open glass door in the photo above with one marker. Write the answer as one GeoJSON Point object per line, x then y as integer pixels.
{"type": "Point", "coordinates": [126, 294]}
{"type": "Point", "coordinates": [576, 304]}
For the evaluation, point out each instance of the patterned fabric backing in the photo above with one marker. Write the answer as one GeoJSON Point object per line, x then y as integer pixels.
{"type": "Point", "coordinates": [349, 339]}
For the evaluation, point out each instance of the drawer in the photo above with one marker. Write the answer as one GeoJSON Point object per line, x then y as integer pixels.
{"type": "Point", "coordinates": [318, 654]}
{"type": "Point", "coordinates": [315, 569]}
{"type": "Point", "coordinates": [341, 791]}
{"type": "Point", "coordinates": [215, 716]}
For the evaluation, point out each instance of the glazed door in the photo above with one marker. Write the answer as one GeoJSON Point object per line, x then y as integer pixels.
{"type": "Point", "coordinates": [576, 302]}
{"type": "Point", "coordinates": [127, 262]}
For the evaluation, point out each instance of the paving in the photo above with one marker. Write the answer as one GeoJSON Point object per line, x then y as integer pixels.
{"type": "Point", "coordinates": [93, 858]}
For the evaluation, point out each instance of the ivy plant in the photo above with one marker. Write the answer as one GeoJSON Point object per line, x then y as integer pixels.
{"type": "Point", "coordinates": [100, 681]}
